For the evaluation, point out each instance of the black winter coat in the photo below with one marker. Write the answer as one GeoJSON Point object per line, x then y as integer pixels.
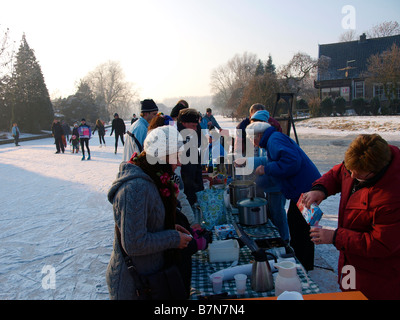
{"type": "Point", "coordinates": [57, 130]}
{"type": "Point", "coordinates": [119, 126]}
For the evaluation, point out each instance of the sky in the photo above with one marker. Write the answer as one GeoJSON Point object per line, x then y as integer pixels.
{"type": "Point", "coordinates": [169, 48]}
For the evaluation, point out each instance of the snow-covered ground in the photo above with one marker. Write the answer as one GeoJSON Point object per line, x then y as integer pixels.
{"type": "Point", "coordinates": [55, 218]}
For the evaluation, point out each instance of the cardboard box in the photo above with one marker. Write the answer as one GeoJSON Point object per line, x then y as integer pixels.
{"type": "Point", "coordinates": [224, 231]}
{"type": "Point", "coordinates": [312, 215]}
{"type": "Point", "coordinates": [223, 251]}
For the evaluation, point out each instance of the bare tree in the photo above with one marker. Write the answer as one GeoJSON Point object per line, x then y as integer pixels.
{"type": "Point", "coordinates": [233, 76]}
{"type": "Point", "coordinates": [6, 53]}
{"type": "Point", "coordinates": [301, 71]}
{"type": "Point", "coordinates": [108, 82]}
{"type": "Point", "coordinates": [384, 29]}
{"type": "Point", "coordinates": [384, 69]}
{"type": "Point", "coordinates": [348, 36]}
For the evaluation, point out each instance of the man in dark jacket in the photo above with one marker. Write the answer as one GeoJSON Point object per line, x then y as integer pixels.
{"type": "Point", "coordinates": [57, 131]}
{"type": "Point", "coordinates": [191, 172]}
{"type": "Point", "coordinates": [118, 125]}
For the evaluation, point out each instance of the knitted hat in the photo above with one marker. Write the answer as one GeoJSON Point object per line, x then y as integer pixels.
{"type": "Point", "coordinates": [188, 115]}
{"type": "Point", "coordinates": [148, 105]}
{"type": "Point", "coordinates": [175, 110]}
{"type": "Point", "coordinates": [161, 142]}
{"type": "Point", "coordinates": [261, 115]}
{"type": "Point", "coordinates": [168, 120]}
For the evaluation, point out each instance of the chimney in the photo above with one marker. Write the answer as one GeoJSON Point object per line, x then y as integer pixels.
{"type": "Point", "coordinates": [363, 38]}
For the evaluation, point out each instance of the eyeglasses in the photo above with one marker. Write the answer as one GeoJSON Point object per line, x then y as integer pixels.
{"type": "Point", "coordinates": [356, 175]}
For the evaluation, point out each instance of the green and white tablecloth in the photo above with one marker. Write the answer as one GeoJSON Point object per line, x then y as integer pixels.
{"type": "Point", "coordinates": [202, 268]}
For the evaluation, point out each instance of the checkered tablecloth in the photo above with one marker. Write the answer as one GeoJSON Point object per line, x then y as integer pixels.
{"type": "Point", "coordinates": [202, 269]}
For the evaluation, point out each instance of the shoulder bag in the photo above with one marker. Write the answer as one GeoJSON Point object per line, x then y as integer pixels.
{"type": "Point", "coordinates": [166, 284]}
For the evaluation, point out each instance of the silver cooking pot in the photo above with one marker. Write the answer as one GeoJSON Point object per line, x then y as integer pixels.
{"type": "Point", "coordinates": [241, 189]}
{"type": "Point", "coordinates": [253, 211]}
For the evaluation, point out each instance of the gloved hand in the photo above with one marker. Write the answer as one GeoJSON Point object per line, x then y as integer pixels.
{"type": "Point", "coordinates": [203, 237]}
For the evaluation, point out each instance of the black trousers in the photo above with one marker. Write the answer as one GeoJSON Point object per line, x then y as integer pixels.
{"type": "Point", "coordinates": [86, 142]}
{"type": "Point", "coordinates": [16, 139]}
{"type": "Point", "coordinates": [101, 137]}
{"type": "Point", "coordinates": [300, 239]}
{"type": "Point", "coordinates": [121, 135]}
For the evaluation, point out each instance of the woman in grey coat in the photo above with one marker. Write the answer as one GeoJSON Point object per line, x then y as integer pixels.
{"type": "Point", "coordinates": [144, 206]}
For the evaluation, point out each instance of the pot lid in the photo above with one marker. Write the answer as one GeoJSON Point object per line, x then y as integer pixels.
{"type": "Point", "coordinates": [242, 183]}
{"type": "Point", "coordinates": [252, 202]}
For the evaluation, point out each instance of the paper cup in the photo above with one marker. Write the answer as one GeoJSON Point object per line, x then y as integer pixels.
{"type": "Point", "coordinates": [240, 280]}
{"type": "Point", "coordinates": [217, 283]}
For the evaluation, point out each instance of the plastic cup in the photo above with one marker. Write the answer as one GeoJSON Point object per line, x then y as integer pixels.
{"type": "Point", "coordinates": [240, 280]}
{"type": "Point", "coordinates": [217, 283]}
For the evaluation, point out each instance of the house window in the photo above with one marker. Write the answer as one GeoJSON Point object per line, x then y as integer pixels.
{"type": "Point", "coordinates": [379, 92]}
{"type": "Point", "coordinates": [359, 89]}
{"type": "Point", "coordinates": [345, 93]}
{"type": "Point", "coordinates": [335, 92]}
{"type": "Point", "coordinates": [325, 93]}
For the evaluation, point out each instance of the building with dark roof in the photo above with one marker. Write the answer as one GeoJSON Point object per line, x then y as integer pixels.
{"type": "Point", "coordinates": [347, 64]}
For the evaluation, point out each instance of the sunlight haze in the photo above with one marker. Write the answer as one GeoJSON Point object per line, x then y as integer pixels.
{"type": "Point", "coordinates": [168, 48]}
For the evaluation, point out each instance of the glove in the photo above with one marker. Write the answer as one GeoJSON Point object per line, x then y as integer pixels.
{"type": "Point", "coordinates": [203, 237]}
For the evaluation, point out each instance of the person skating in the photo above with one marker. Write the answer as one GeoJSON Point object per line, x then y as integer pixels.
{"type": "Point", "coordinates": [118, 125]}
{"type": "Point", "coordinates": [75, 142]}
{"type": "Point", "coordinates": [101, 131]}
{"type": "Point", "coordinates": [58, 134]}
{"type": "Point", "coordinates": [85, 133]}
{"type": "Point", "coordinates": [15, 133]}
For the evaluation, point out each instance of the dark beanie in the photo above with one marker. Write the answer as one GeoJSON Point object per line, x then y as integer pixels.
{"type": "Point", "coordinates": [175, 110]}
{"type": "Point", "coordinates": [189, 115]}
{"type": "Point", "coordinates": [148, 105]}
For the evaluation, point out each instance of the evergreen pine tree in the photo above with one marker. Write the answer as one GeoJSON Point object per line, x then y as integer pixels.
{"type": "Point", "coordinates": [270, 67]}
{"type": "Point", "coordinates": [31, 105]}
{"type": "Point", "coordinates": [80, 105]}
{"type": "Point", "coordinates": [260, 68]}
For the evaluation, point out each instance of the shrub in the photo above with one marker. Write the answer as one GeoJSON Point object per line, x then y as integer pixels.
{"type": "Point", "coordinates": [375, 105]}
{"type": "Point", "coordinates": [327, 106]}
{"type": "Point", "coordinates": [340, 105]}
{"type": "Point", "coordinates": [358, 105]}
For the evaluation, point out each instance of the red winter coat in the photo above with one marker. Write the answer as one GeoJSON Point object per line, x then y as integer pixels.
{"type": "Point", "coordinates": [368, 234]}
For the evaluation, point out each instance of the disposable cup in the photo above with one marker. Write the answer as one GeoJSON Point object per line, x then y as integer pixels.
{"type": "Point", "coordinates": [240, 280]}
{"type": "Point", "coordinates": [217, 283]}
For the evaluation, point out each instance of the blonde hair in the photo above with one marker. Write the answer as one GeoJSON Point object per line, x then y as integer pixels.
{"type": "Point", "coordinates": [368, 153]}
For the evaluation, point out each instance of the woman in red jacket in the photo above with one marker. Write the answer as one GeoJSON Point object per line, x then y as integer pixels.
{"type": "Point", "coordinates": [368, 233]}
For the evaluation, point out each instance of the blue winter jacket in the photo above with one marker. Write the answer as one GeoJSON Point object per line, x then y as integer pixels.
{"type": "Point", "coordinates": [288, 163]}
